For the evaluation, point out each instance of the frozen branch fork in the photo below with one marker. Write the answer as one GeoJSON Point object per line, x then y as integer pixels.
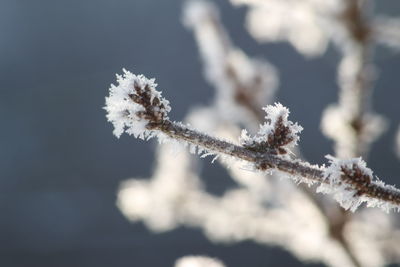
{"type": "Point", "coordinates": [136, 107]}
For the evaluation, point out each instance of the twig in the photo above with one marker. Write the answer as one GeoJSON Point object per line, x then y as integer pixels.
{"type": "Point", "coordinates": [136, 104]}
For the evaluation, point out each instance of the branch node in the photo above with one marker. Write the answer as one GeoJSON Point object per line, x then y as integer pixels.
{"type": "Point", "coordinates": [276, 135]}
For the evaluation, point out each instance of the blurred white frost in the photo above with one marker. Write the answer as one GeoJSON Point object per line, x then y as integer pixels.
{"type": "Point", "coordinates": [235, 76]}
{"type": "Point", "coordinates": [306, 24]}
{"type": "Point", "coordinates": [336, 125]}
{"type": "Point", "coordinates": [309, 25]}
{"type": "Point", "coordinates": [387, 31]}
{"type": "Point", "coordinates": [198, 261]}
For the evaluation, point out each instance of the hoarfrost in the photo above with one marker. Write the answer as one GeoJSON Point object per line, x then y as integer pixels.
{"type": "Point", "coordinates": [276, 133]}
{"type": "Point", "coordinates": [349, 181]}
{"type": "Point", "coordinates": [123, 112]}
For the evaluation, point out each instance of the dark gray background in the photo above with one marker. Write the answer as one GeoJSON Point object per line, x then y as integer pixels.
{"type": "Point", "coordinates": [60, 165]}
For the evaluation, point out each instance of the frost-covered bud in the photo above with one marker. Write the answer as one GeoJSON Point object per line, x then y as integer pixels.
{"type": "Point", "coordinates": [276, 135]}
{"type": "Point", "coordinates": [351, 182]}
{"type": "Point", "coordinates": [135, 106]}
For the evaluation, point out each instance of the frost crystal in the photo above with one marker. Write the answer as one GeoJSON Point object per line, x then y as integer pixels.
{"type": "Point", "coordinates": [276, 135]}
{"type": "Point", "coordinates": [134, 104]}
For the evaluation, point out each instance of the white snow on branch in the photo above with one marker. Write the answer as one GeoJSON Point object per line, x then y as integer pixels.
{"type": "Point", "coordinates": [128, 99]}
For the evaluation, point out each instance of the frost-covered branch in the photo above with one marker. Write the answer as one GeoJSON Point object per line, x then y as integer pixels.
{"type": "Point", "coordinates": [136, 106]}
{"type": "Point", "coordinates": [270, 211]}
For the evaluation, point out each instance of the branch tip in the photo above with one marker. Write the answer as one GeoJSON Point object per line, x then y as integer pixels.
{"type": "Point", "coordinates": [135, 106]}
